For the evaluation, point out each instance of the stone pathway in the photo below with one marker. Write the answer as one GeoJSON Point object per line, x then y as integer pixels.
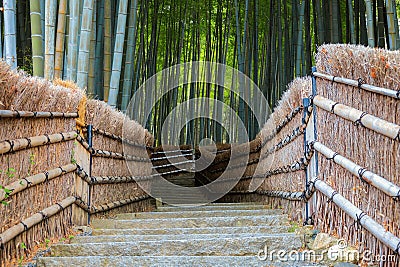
{"type": "Point", "coordinates": [212, 235]}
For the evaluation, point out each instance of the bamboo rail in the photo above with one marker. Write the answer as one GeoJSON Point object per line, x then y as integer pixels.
{"type": "Point", "coordinates": [359, 216]}
{"type": "Point", "coordinates": [10, 146]}
{"type": "Point", "coordinates": [30, 181]}
{"type": "Point", "coordinates": [171, 151]}
{"type": "Point", "coordinates": [359, 84]}
{"type": "Point", "coordinates": [172, 164]}
{"type": "Point", "coordinates": [114, 155]}
{"type": "Point", "coordinates": [118, 138]}
{"type": "Point", "coordinates": [37, 218]}
{"type": "Point", "coordinates": [171, 157]}
{"type": "Point", "coordinates": [109, 206]}
{"type": "Point", "coordinates": [36, 114]}
{"type": "Point", "coordinates": [358, 117]}
{"type": "Point", "coordinates": [364, 175]}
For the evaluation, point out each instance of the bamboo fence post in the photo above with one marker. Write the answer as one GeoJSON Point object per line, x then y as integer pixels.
{"type": "Point", "coordinates": [83, 158]}
{"type": "Point", "coordinates": [310, 135]}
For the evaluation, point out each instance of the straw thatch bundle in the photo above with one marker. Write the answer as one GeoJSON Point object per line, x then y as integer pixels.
{"type": "Point", "coordinates": [365, 147]}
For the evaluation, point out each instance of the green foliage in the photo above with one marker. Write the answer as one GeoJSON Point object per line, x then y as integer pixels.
{"type": "Point", "coordinates": [293, 227]}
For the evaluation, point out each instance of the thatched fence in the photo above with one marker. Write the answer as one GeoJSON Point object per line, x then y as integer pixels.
{"type": "Point", "coordinates": [62, 161]}
{"type": "Point", "coordinates": [330, 152]}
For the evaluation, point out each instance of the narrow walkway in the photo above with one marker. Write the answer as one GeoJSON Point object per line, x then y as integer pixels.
{"type": "Point", "coordinates": [212, 235]}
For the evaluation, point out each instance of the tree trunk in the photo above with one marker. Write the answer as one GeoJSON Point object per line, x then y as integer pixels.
{"type": "Point", "coordinates": [107, 49]}
{"type": "Point", "coordinates": [370, 24]}
{"type": "Point", "coordinates": [50, 26]}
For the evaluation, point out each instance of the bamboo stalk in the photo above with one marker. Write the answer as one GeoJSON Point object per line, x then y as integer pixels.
{"type": "Point", "coordinates": [170, 157]}
{"type": "Point", "coordinates": [60, 39]}
{"type": "Point", "coordinates": [367, 87]}
{"type": "Point", "coordinates": [359, 216]}
{"type": "Point", "coordinates": [369, 177]}
{"type": "Point", "coordinates": [50, 22]}
{"type": "Point", "coordinates": [84, 43]}
{"type": "Point", "coordinates": [37, 218]}
{"type": "Point", "coordinates": [10, 40]}
{"type": "Point", "coordinates": [30, 181]}
{"type": "Point", "coordinates": [29, 114]}
{"type": "Point", "coordinates": [37, 38]}
{"type": "Point", "coordinates": [9, 146]}
{"type": "Point", "coordinates": [373, 123]}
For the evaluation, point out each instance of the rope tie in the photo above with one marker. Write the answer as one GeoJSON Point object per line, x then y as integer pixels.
{"type": "Point", "coordinates": [333, 107]}
{"type": "Point", "coordinates": [397, 198]}
{"type": "Point", "coordinates": [44, 215]}
{"type": "Point", "coordinates": [359, 121]}
{"type": "Point", "coordinates": [61, 207]}
{"type": "Point", "coordinates": [48, 139]}
{"type": "Point", "coordinates": [62, 170]}
{"type": "Point", "coordinates": [1, 243]}
{"type": "Point", "coordinates": [62, 137]}
{"type": "Point", "coordinates": [29, 141]}
{"type": "Point", "coordinates": [18, 114]}
{"type": "Point", "coordinates": [11, 143]}
{"type": "Point", "coordinates": [361, 173]}
{"type": "Point", "coordinates": [360, 82]}
{"type": "Point", "coordinates": [35, 114]}
{"type": "Point", "coordinates": [333, 157]}
{"type": "Point", "coordinates": [51, 115]}
{"type": "Point", "coordinates": [357, 223]}
{"type": "Point", "coordinates": [28, 183]}
{"type": "Point", "coordinates": [47, 176]}
{"type": "Point", "coordinates": [397, 138]}
{"type": "Point", "coordinates": [398, 94]}
{"type": "Point", "coordinates": [330, 200]}
{"type": "Point", "coordinates": [397, 251]}
{"type": "Point", "coordinates": [309, 221]}
{"type": "Point", "coordinates": [333, 80]}
{"type": "Point", "coordinates": [25, 226]}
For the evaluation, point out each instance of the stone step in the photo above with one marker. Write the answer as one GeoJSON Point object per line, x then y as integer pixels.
{"type": "Point", "coordinates": [192, 237]}
{"type": "Point", "coordinates": [193, 214]}
{"type": "Point", "coordinates": [156, 261]}
{"type": "Point", "coordinates": [210, 247]}
{"type": "Point", "coordinates": [213, 207]}
{"type": "Point", "coordinates": [188, 231]}
{"type": "Point", "coordinates": [191, 222]}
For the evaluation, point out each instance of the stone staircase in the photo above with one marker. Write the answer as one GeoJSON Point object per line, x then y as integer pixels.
{"type": "Point", "coordinates": [212, 235]}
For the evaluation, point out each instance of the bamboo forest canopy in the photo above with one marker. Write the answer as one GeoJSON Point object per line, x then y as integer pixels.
{"type": "Point", "coordinates": [111, 47]}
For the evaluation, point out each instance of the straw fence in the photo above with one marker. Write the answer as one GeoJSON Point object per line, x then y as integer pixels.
{"type": "Point", "coordinates": [342, 127]}
{"type": "Point", "coordinates": [63, 159]}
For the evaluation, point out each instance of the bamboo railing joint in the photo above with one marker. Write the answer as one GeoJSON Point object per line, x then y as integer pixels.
{"type": "Point", "coordinates": [359, 121]}
{"type": "Point", "coordinates": [25, 226]}
{"type": "Point", "coordinates": [358, 220]}
{"type": "Point", "coordinates": [397, 138]}
{"type": "Point", "coordinates": [333, 107]}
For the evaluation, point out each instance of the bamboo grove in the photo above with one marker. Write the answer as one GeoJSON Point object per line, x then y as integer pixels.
{"type": "Point", "coordinates": [111, 47]}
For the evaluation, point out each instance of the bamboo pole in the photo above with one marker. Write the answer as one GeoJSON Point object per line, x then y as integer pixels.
{"type": "Point", "coordinates": [60, 39]}
{"type": "Point", "coordinates": [367, 87]}
{"type": "Point", "coordinates": [358, 215]}
{"type": "Point", "coordinates": [391, 21]}
{"type": "Point", "coordinates": [114, 155]}
{"type": "Point", "coordinates": [118, 138]}
{"type": "Point", "coordinates": [37, 38]}
{"type": "Point", "coordinates": [170, 157]}
{"type": "Point", "coordinates": [30, 181]}
{"type": "Point", "coordinates": [84, 43]}
{"type": "Point", "coordinates": [9, 146]}
{"type": "Point", "coordinates": [373, 123]}
{"type": "Point", "coordinates": [37, 218]}
{"type": "Point", "coordinates": [370, 23]}
{"type": "Point", "coordinates": [172, 164]}
{"type": "Point", "coordinates": [369, 177]}
{"type": "Point", "coordinates": [29, 114]}
{"type": "Point", "coordinates": [50, 24]}
{"type": "Point", "coordinates": [10, 40]}
{"type": "Point", "coordinates": [110, 206]}
{"type": "Point", "coordinates": [73, 39]}
{"type": "Point", "coordinates": [118, 54]}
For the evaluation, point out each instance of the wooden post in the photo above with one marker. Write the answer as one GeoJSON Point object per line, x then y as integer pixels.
{"type": "Point", "coordinates": [312, 169]}
{"type": "Point", "coordinates": [82, 157]}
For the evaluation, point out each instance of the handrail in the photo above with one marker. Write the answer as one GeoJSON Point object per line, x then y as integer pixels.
{"type": "Point", "coordinates": [363, 174]}
{"type": "Point", "coordinates": [36, 114]}
{"type": "Point", "coordinates": [359, 84]}
{"type": "Point", "coordinates": [358, 117]}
